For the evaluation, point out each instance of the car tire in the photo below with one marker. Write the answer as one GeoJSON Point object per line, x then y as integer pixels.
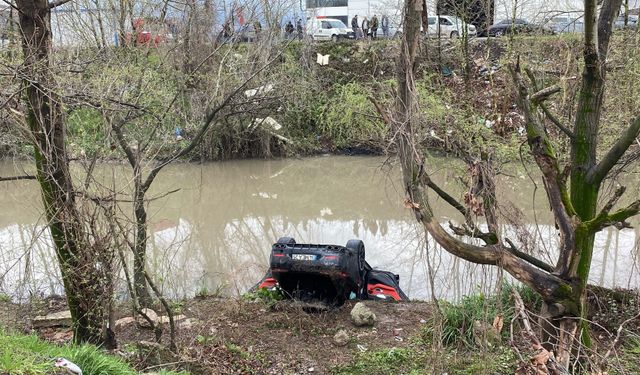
{"type": "Point", "coordinates": [334, 38]}
{"type": "Point", "coordinates": [287, 240]}
{"type": "Point", "coordinates": [357, 246]}
{"type": "Point", "coordinates": [454, 35]}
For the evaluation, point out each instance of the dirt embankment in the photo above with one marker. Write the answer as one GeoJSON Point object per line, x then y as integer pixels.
{"type": "Point", "coordinates": [235, 336]}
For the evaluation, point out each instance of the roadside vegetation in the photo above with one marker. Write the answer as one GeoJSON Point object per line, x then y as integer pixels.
{"type": "Point", "coordinates": [328, 108]}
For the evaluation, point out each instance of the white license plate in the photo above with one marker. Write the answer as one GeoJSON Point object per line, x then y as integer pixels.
{"type": "Point", "coordinates": [303, 257]}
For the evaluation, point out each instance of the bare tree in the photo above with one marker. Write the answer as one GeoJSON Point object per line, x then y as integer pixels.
{"type": "Point", "coordinates": [83, 273]}
{"type": "Point", "coordinates": [573, 190]}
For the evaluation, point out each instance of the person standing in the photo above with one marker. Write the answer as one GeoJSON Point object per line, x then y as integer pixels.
{"type": "Point", "coordinates": [365, 27]}
{"type": "Point", "coordinates": [288, 30]}
{"type": "Point", "coordinates": [374, 27]}
{"type": "Point", "coordinates": [385, 25]}
{"type": "Point", "coordinates": [354, 26]}
{"type": "Point", "coordinates": [299, 28]}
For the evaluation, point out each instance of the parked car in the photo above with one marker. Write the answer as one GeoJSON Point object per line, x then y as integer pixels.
{"type": "Point", "coordinates": [517, 26]}
{"type": "Point", "coordinates": [328, 29]}
{"type": "Point", "coordinates": [632, 22]}
{"type": "Point", "coordinates": [449, 27]}
{"type": "Point", "coordinates": [565, 24]}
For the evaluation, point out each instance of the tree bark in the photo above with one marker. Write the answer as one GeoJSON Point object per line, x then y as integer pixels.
{"type": "Point", "coordinates": [82, 273]}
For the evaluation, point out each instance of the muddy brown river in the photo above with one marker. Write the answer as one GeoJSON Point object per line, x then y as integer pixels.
{"type": "Point", "coordinates": [216, 232]}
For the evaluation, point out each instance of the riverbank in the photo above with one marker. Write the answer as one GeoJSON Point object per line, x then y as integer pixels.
{"type": "Point", "coordinates": [329, 109]}
{"type": "Point", "coordinates": [259, 335]}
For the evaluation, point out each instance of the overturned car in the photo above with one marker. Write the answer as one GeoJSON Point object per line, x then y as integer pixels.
{"type": "Point", "coordinates": [328, 273]}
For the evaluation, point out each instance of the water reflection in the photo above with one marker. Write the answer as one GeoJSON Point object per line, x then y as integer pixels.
{"type": "Point", "coordinates": [216, 232]}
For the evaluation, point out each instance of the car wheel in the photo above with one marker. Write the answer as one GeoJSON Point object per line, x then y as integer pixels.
{"type": "Point", "coordinates": [454, 34]}
{"type": "Point", "coordinates": [357, 246]}
{"type": "Point", "coordinates": [498, 33]}
{"type": "Point", "coordinates": [287, 240]}
{"type": "Point", "coordinates": [334, 38]}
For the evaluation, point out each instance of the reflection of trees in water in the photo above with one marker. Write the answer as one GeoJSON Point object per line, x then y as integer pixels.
{"type": "Point", "coordinates": [226, 216]}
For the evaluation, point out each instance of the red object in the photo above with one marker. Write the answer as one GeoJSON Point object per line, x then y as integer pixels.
{"type": "Point", "coordinates": [144, 37]}
{"type": "Point", "coordinates": [268, 283]}
{"type": "Point", "coordinates": [240, 16]}
{"type": "Point", "coordinates": [376, 289]}
{"type": "Point", "coordinates": [278, 254]}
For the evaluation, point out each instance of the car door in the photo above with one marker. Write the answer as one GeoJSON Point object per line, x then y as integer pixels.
{"type": "Point", "coordinates": [325, 30]}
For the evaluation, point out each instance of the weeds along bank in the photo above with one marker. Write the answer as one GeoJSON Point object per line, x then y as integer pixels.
{"type": "Point", "coordinates": [292, 105]}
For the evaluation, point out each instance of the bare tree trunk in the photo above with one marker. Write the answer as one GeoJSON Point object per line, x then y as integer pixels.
{"type": "Point", "coordinates": [140, 244]}
{"type": "Point", "coordinates": [81, 272]}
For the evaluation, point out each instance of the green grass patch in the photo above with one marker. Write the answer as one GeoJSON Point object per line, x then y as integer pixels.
{"type": "Point", "coordinates": [28, 355]}
{"type": "Point", "coordinates": [469, 321]}
{"type": "Point", "coordinates": [386, 362]}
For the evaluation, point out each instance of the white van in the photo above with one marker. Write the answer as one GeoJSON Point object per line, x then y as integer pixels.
{"type": "Point", "coordinates": [328, 29]}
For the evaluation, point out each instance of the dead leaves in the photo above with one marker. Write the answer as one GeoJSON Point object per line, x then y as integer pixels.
{"type": "Point", "coordinates": [408, 203]}
{"type": "Point", "coordinates": [541, 363]}
{"type": "Point", "coordinates": [498, 323]}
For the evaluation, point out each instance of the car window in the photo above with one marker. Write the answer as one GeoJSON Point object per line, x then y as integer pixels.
{"type": "Point", "coordinates": [445, 22]}
{"type": "Point", "coordinates": [432, 20]}
{"type": "Point", "coordinates": [338, 24]}
{"type": "Point", "coordinates": [326, 25]}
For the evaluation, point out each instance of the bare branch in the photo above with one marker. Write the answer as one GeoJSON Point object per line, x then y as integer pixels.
{"type": "Point", "coordinates": [529, 258]}
{"type": "Point", "coordinates": [16, 178]}
{"type": "Point", "coordinates": [547, 112]}
{"type": "Point", "coordinates": [600, 171]}
{"type": "Point", "coordinates": [614, 199]}
{"type": "Point", "coordinates": [488, 238]}
{"type": "Point", "coordinates": [544, 94]}
{"type": "Point", "coordinates": [58, 3]}
{"type": "Point", "coordinates": [608, 12]}
{"type": "Point", "coordinates": [617, 219]}
{"type": "Point", "coordinates": [9, 3]}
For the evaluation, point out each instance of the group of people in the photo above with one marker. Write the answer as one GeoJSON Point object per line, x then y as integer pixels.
{"type": "Point", "coordinates": [369, 28]}
{"type": "Point", "coordinates": [289, 29]}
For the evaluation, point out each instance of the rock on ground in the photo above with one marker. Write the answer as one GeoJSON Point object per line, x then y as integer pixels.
{"type": "Point", "coordinates": [151, 314]}
{"type": "Point", "coordinates": [341, 338]}
{"type": "Point", "coordinates": [361, 315]}
{"type": "Point", "coordinates": [59, 319]}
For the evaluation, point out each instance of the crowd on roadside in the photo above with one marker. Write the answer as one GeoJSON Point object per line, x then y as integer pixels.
{"type": "Point", "coordinates": [368, 28]}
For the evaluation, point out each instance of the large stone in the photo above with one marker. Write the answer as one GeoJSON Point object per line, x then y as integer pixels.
{"type": "Point", "coordinates": [361, 315]}
{"type": "Point", "coordinates": [341, 338]}
{"type": "Point", "coordinates": [59, 319]}
{"type": "Point", "coordinates": [142, 322]}
{"type": "Point", "coordinates": [125, 321]}
{"type": "Point", "coordinates": [176, 318]}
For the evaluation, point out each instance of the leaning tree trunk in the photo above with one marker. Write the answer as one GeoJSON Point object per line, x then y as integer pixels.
{"type": "Point", "coordinates": [81, 272]}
